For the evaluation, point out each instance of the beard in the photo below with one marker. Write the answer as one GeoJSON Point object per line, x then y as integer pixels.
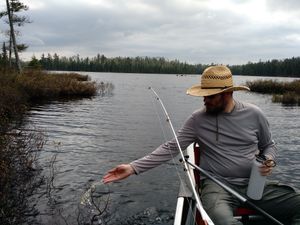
{"type": "Point", "coordinates": [217, 107]}
{"type": "Point", "coordinates": [215, 110]}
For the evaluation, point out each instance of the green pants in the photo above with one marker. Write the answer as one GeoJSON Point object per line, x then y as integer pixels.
{"type": "Point", "coordinates": [280, 201]}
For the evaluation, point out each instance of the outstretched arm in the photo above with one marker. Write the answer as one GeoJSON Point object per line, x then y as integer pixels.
{"type": "Point", "coordinates": [118, 173]}
{"type": "Point", "coordinates": [162, 154]}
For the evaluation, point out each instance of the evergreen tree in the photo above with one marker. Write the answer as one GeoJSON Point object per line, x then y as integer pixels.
{"type": "Point", "coordinates": [13, 7]}
{"type": "Point", "coordinates": [35, 63]}
{"type": "Point", "coordinates": [4, 57]}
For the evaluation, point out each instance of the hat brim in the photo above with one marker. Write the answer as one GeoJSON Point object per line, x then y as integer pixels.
{"type": "Point", "coordinates": [196, 90]}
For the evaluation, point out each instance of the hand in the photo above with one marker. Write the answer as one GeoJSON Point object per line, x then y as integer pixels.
{"type": "Point", "coordinates": [118, 173]}
{"type": "Point", "coordinates": [265, 170]}
{"type": "Point", "coordinates": [267, 167]}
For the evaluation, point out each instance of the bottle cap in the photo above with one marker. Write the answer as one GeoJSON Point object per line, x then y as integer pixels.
{"type": "Point", "coordinates": [263, 160]}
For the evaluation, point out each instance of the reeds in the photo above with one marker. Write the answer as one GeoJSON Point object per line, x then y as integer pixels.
{"type": "Point", "coordinates": [19, 174]}
{"type": "Point", "coordinates": [13, 101]}
{"type": "Point", "coordinates": [18, 91]}
{"type": "Point", "coordinates": [18, 148]}
{"type": "Point", "coordinates": [289, 98]}
{"type": "Point", "coordinates": [45, 86]}
{"type": "Point", "coordinates": [288, 93]}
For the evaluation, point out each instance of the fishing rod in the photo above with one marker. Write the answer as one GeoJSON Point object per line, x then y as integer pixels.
{"type": "Point", "coordinates": [186, 164]}
{"type": "Point", "coordinates": [203, 213]}
{"type": "Point", "coordinates": [243, 199]}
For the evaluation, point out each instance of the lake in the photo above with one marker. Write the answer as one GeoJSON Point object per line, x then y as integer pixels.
{"type": "Point", "coordinates": [87, 137]}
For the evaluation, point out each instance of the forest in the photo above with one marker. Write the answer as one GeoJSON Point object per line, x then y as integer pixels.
{"type": "Point", "coordinates": [289, 67]}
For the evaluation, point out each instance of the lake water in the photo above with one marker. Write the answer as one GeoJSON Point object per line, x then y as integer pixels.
{"type": "Point", "coordinates": [90, 136]}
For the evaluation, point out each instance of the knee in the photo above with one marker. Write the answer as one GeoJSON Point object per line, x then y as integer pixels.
{"type": "Point", "coordinates": [296, 205]}
{"type": "Point", "coordinates": [218, 204]}
{"type": "Point", "coordinates": [223, 217]}
{"type": "Point", "coordinates": [296, 214]}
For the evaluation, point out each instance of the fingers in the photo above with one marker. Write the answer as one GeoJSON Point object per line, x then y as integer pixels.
{"type": "Point", "coordinates": [265, 170]}
{"type": "Point", "coordinates": [108, 178]}
{"type": "Point", "coordinates": [118, 173]}
{"type": "Point", "coordinates": [111, 171]}
{"type": "Point", "coordinates": [111, 175]}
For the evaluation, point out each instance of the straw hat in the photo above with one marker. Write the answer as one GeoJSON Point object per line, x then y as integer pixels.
{"type": "Point", "coordinates": [215, 80]}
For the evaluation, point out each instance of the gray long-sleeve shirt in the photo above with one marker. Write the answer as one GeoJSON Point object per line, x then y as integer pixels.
{"type": "Point", "coordinates": [228, 142]}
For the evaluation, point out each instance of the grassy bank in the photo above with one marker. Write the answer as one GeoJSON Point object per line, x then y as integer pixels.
{"type": "Point", "coordinates": [43, 86]}
{"type": "Point", "coordinates": [19, 171]}
{"type": "Point", "coordinates": [19, 91]}
{"type": "Point", "coordinates": [288, 93]}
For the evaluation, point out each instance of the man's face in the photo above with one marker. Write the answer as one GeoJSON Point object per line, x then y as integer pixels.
{"type": "Point", "coordinates": [215, 103]}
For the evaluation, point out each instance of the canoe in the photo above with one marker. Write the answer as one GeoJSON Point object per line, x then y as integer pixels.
{"type": "Point", "coordinates": [187, 213]}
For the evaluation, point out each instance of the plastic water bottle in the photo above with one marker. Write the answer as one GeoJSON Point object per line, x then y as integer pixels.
{"type": "Point", "coordinates": [257, 181]}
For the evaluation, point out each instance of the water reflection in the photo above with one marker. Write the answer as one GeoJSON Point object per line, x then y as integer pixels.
{"type": "Point", "coordinates": [105, 89]}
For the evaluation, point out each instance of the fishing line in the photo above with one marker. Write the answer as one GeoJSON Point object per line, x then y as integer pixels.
{"type": "Point", "coordinates": [166, 139]}
{"type": "Point", "coordinates": [199, 205]}
{"type": "Point", "coordinates": [175, 164]}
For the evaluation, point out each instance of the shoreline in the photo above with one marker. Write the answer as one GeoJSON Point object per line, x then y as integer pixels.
{"type": "Point", "coordinates": [20, 173]}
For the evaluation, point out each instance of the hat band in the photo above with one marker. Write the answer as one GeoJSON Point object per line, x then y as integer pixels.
{"type": "Point", "coordinates": [217, 87]}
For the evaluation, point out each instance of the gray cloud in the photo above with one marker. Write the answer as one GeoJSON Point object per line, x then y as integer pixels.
{"type": "Point", "coordinates": [284, 6]}
{"type": "Point", "coordinates": [195, 31]}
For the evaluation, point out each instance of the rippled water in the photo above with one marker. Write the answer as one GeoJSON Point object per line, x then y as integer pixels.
{"type": "Point", "coordinates": [90, 136]}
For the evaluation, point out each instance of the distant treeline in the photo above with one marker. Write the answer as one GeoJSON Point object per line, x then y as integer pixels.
{"type": "Point", "coordinates": [287, 67]}
{"type": "Point", "coordinates": [100, 63]}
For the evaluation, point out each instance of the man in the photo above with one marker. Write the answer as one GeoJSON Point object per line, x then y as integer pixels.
{"type": "Point", "coordinates": [230, 133]}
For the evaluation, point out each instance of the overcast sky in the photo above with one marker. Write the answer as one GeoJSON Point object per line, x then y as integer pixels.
{"type": "Point", "coordinates": [195, 31]}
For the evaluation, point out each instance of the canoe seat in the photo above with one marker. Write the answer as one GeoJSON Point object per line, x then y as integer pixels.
{"type": "Point", "coordinates": [244, 212]}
